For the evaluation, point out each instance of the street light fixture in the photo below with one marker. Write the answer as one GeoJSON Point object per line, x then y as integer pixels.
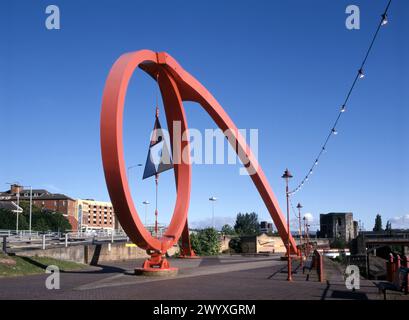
{"type": "Point", "coordinates": [18, 203]}
{"type": "Point", "coordinates": [287, 176]}
{"type": "Point", "coordinates": [213, 200]}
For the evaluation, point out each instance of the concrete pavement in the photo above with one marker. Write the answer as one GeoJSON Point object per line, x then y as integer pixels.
{"type": "Point", "coordinates": [224, 277]}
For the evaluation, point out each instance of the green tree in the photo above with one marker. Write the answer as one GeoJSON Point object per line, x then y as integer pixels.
{"type": "Point", "coordinates": [247, 224]}
{"type": "Point", "coordinates": [338, 244]}
{"type": "Point", "coordinates": [228, 230]}
{"type": "Point", "coordinates": [378, 223]}
{"type": "Point", "coordinates": [205, 242]}
{"type": "Point", "coordinates": [8, 220]}
{"type": "Point", "coordinates": [42, 220]}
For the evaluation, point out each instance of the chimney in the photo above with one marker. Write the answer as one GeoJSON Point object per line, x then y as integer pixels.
{"type": "Point", "coordinates": [15, 188]}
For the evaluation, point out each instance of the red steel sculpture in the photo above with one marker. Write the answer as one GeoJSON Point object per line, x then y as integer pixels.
{"type": "Point", "coordinates": [176, 85]}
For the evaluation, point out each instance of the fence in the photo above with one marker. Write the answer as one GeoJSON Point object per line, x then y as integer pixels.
{"type": "Point", "coordinates": [316, 263]}
{"type": "Point", "coordinates": [13, 242]}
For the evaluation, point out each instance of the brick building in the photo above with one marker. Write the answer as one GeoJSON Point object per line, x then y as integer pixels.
{"type": "Point", "coordinates": [43, 199]}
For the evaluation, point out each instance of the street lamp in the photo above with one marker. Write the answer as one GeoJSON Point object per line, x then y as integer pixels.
{"type": "Point", "coordinates": [18, 203]}
{"type": "Point", "coordinates": [131, 167]}
{"type": "Point", "coordinates": [299, 206]}
{"type": "Point", "coordinates": [287, 176]}
{"type": "Point", "coordinates": [213, 200]}
{"type": "Point", "coordinates": [146, 203]}
{"type": "Point", "coordinates": [305, 235]}
{"type": "Point", "coordinates": [31, 207]}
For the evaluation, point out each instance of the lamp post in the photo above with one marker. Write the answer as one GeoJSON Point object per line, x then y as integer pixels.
{"type": "Point", "coordinates": [305, 235]}
{"type": "Point", "coordinates": [131, 167]}
{"type": "Point", "coordinates": [213, 200]}
{"type": "Point", "coordinates": [299, 206]}
{"type": "Point", "coordinates": [146, 203]}
{"type": "Point", "coordinates": [307, 230]}
{"type": "Point", "coordinates": [31, 207]}
{"type": "Point", "coordinates": [18, 210]}
{"type": "Point", "coordinates": [287, 176]}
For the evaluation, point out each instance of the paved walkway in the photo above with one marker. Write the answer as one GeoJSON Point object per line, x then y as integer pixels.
{"type": "Point", "coordinates": [224, 277]}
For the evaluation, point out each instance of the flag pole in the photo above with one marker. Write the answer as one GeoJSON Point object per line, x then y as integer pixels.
{"type": "Point", "coordinates": [157, 174]}
{"type": "Point", "coordinates": [156, 209]}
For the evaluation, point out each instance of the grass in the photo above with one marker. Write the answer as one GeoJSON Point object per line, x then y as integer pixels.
{"type": "Point", "coordinates": [34, 265]}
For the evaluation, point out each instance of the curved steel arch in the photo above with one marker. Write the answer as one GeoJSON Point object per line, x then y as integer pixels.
{"type": "Point", "coordinates": [176, 86]}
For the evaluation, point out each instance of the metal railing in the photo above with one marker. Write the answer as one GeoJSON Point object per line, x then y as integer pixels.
{"type": "Point", "coordinates": [13, 242]}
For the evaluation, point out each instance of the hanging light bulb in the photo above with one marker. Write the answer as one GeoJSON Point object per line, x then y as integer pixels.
{"type": "Point", "coordinates": [343, 108]}
{"type": "Point", "coordinates": [361, 74]}
{"type": "Point", "coordinates": [316, 162]}
{"type": "Point", "coordinates": [335, 132]}
{"type": "Point", "coordinates": [384, 19]}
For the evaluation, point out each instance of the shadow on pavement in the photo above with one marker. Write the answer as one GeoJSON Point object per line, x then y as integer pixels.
{"type": "Point", "coordinates": [103, 268]}
{"type": "Point", "coordinates": [351, 295]}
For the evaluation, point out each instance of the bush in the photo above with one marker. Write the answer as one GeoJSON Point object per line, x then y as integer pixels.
{"type": "Point", "coordinates": [235, 245]}
{"type": "Point", "coordinates": [206, 242]}
{"type": "Point", "coordinates": [338, 244]}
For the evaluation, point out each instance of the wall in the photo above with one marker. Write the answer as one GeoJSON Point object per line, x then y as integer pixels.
{"type": "Point", "coordinates": [262, 244]}
{"type": "Point", "coordinates": [224, 243]}
{"type": "Point", "coordinates": [93, 254]}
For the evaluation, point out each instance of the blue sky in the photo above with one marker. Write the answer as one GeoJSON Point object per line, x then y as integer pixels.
{"type": "Point", "coordinates": [282, 67]}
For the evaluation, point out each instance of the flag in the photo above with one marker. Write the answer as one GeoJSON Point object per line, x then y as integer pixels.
{"type": "Point", "coordinates": [159, 158]}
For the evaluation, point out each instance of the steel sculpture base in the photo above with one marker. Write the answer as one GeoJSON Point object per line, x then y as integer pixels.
{"type": "Point", "coordinates": [156, 265]}
{"type": "Point", "coordinates": [155, 272]}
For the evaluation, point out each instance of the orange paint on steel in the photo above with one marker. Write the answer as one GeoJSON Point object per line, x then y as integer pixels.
{"type": "Point", "coordinates": [176, 86]}
{"type": "Point", "coordinates": [113, 155]}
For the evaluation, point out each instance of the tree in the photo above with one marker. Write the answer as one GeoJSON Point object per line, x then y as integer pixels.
{"type": "Point", "coordinates": [338, 243]}
{"type": "Point", "coordinates": [8, 220]}
{"type": "Point", "coordinates": [42, 220]}
{"type": "Point", "coordinates": [228, 230]}
{"type": "Point", "coordinates": [247, 224]}
{"type": "Point", "coordinates": [205, 242]}
{"type": "Point", "coordinates": [378, 223]}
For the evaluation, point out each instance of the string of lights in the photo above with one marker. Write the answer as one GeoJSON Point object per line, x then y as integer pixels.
{"type": "Point", "coordinates": [360, 75]}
